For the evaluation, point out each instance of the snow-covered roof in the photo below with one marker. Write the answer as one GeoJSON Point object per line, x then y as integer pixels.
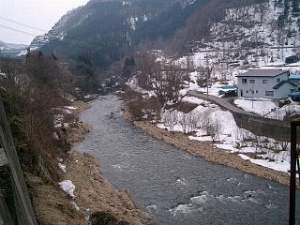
{"type": "Point", "coordinates": [263, 73]}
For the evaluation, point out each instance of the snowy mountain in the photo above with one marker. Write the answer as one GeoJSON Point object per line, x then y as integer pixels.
{"type": "Point", "coordinates": [11, 50]}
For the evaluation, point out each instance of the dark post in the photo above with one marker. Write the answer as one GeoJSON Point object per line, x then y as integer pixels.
{"type": "Point", "coordinates": [294, 156]}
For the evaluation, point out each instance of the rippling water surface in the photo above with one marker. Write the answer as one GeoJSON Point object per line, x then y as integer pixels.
{"type": "Point", "coordinates": [173, 186]}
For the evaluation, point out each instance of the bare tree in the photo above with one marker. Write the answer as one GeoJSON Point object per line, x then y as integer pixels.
{"type": "Point", "coordinates": [205, 73]}
{"type": "Point", "coordinates": [193, 121]}
{"type": "Point", "coordinates": [284, 145]}
{"type": "Point", "coordinates": [165, 79]}
{"type": "Point", "coordinates": [190, 65]}
{"type": "Point", "coordinates": [212, 129]}
{"type": "Point", "coordinates": [171, 119]}
{"type": "Point", "coordinates": [256, 143]}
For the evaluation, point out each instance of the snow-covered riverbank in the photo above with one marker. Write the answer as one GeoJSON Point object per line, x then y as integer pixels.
{"type": "Point", "coordinates": [208, 123]}
{"type": "Point", "coordinates": [212, 153]}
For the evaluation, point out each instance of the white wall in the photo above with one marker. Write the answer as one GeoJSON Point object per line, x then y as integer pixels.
{"type": "Point", "coordinates": [259, 88]}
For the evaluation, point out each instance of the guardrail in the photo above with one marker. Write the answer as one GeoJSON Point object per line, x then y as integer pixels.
{"type": "Point", "coordinates": [15, 204]}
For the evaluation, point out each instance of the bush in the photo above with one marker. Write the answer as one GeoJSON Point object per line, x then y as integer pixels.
{"type": "Point", "coordinates": [105, 218]}
{"type": "Point", "coordinates": [141, 107]}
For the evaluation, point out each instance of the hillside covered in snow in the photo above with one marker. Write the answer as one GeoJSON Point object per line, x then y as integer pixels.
{"type": "Point", "coordinates": [265, 34]}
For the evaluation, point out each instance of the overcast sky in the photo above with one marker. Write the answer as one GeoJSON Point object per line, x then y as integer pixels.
{"type": "Point", "coordinates": [42, 14]}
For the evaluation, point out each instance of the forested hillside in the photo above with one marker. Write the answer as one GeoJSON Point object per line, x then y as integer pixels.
{"type": "Point", "coordinates": [100, 39]}
{"type": "Point", "coordinates": [105, 31]}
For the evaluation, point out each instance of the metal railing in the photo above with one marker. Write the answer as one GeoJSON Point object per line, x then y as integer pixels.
{"type": "Point", "coordinates": [15, 204]}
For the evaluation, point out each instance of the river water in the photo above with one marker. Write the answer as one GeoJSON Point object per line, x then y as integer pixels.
{"type": "Point", "coordinates": [173, 186]}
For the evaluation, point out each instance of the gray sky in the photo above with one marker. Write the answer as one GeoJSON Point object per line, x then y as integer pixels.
{"type": "Point", "coordinates": [42, 14]}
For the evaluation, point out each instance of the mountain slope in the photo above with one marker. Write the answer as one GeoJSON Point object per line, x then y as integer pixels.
{"type": "Point", "coordinates": [104, 31]}
{"type": "Point", "coordinates": [258, 35]}
{"type": "Point", "coordinates": [222, 21]}
{"type": "Point", "coordinates": [11, 50]}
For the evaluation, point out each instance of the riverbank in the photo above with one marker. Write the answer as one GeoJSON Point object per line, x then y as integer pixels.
{"type": "Point", "coordinates": [88, 192]}
{"type": "Point", "coordinates": [93, 193]}
{"type": "Point", "coordinates": [209, 152]}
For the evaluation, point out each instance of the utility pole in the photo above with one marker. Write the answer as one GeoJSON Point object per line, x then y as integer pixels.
{"type": "Point", "coordinates": [294, 164]}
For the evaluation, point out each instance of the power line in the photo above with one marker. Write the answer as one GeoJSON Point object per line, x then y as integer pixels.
{"type": "Point", "coordinates": [17, 30]}
{"type": "Point", "coordinates": [22, 24]}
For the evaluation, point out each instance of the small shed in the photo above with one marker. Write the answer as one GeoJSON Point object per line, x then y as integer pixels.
{"type": "Point", "coordinates": [284, 88]}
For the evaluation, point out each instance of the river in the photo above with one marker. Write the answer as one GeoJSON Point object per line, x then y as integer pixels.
{"type": "Point", "coordinates": [173, 186]}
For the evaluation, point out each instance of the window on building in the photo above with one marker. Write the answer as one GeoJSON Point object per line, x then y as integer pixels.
{"type": "Point", "coordinates": [270, 93]}
{"type": "Point", "coordinates": [247, 91]}
{"type": "Point", "coordinates": [256, 91]}
{"type": "Point", "coordinates": [252, 81]}
{"type": "Point", "coordinates": [278, 80]}
{"type": "Point", "coordinates": [292, 90]}
{"type": "Point", "coordinates": [244, 81]}
{"type": "Point", "coordinates": [265, 81]}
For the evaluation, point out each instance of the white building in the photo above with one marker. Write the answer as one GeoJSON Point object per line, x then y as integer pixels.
{"type": "Point", "coordinates": [265, 83]}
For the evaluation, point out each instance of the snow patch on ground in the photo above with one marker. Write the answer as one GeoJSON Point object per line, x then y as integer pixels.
{"type": "Point", "coordinates": [63, 167]}
{"type": "Point", "coordinates": [279, 165]}
{"type": "Point", "coordinates": [258, 106]}
{"type": "Point", "coordinates": [287, 110]}
{"type": "Point", "coordinates": [267, 108]}
{"type": "Point", "coordinates": [68, 187]}
{"type": "Point", "coordinates": [133, 84]}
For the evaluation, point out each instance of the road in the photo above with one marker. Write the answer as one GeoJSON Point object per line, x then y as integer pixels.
{"type": "Point", "coordinates": [222, 102]}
